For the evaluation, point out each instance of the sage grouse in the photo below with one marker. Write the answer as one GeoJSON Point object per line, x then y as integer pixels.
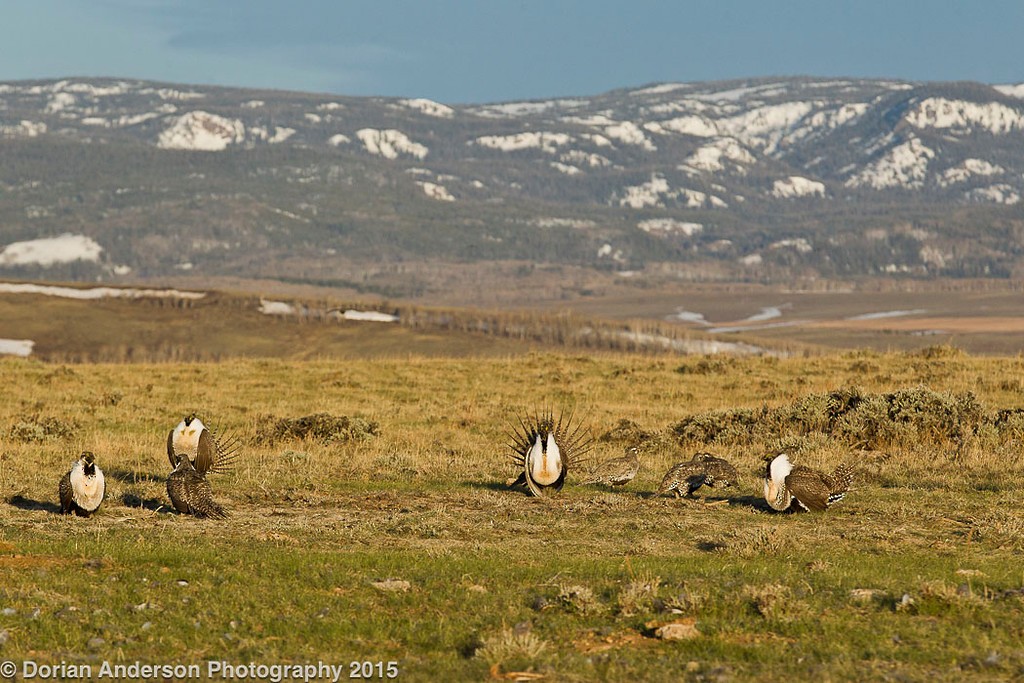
{"type": "Point", "coordinates": [206, 452]}
{"type": "Point", "coordinates": [810, 489]}
{"type": "Point", "coordinates": [545, 449]}
{"type": "Point", "coordinates": [703, 469]}
{"type": "Point", "coordinates": [82, 489]}
{"type": "Point", "coordinates": [189, 491]}
{"type": "Point", "coordinates": [616, 471]}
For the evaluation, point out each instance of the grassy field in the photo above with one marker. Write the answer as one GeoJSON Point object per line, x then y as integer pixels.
{"type": "Point", "coordinates": [396, 540]}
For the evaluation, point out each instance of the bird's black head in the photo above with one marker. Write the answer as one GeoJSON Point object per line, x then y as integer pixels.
{"type": "Point", "coordinates": [88, 463]}
{"type": "Point", "coordinates": [189, 418]}
{"type": "Point", "coordinates": [181, 461]}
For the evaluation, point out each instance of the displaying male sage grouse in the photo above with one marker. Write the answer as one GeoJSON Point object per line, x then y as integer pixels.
{"type": "Point", "coordinates": [616, 471]}
{"type": "Point", "coordinates": [189, 491]}
{"type": "Point", "coordinates": [785, 484]}
{"type": "Point", "coordinates": [545, 449]}
{"type": "Point", "coordinates": [206, 452]}
{"type": "Point", "coordinates": [82, 489]}
{"type": "Point", "coordinates": [703, 469]}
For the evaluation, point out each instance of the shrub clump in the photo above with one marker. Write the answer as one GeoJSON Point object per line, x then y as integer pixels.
{"type": "Point", "coordinates": [866, 420]}
{"type": "Point", "coordinates": [322, 427]}
{"type": "Point", "coordinates": [35, 429]}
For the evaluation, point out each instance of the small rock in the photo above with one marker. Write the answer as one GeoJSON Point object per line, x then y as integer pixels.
{"type": "Point", "coordinates": [476, 588]}
{"type": "Point", "coordinates": [992, 659]}
{"type": "Point", "coordinates": [8, 611]}
{"type": "Point", "coordinates": [35, 613]}
{"type": "Point", "coordinates": [969, 572]}
{"type": "Point", "coordinates": [522, 628]}
{"type": "Point", "coordinates": [95, 643]}
{"type": "Point", "coordinates": [4, 636]}
{"type": "Point", "coordinates": [678, 630]}
{"type": "Point", "coordinates": [905, 604]}
{"type": "Point", "coordinates": [148, 625]}
{"type": "Point", "coordinates": [182, 582]}
{"type": "Point", "coordinates": [322, 613]}
{"type": "Point", "coordinates": [539, 603]}
{"type": "Point", "coordinates": [692, 667]}
{"type": "Point", "coordinates": [95, 563]}
{"type": "Point", "coordinates": [392, 585]}
{"type": "Point", "coordinates": [963, 590]}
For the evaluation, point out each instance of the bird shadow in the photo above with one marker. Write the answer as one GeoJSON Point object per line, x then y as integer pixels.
{"type": "Point", "coordinates": [755, 502]}
{"type": "Point", "coordinates": [23, 503]}
{"type": "Point", "coordinates": [488, 485]}
{"type": "Point", "coordinates": [152, 504]}
{"type": "Point", "coordinates": [134, 477]}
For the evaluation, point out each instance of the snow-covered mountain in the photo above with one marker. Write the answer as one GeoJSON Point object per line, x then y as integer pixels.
{"type": "Point", "coordinates": [746, 179]}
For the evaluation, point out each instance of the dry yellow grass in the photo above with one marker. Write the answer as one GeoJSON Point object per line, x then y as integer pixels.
{"type": "Point", "coordinates": [932, 533]}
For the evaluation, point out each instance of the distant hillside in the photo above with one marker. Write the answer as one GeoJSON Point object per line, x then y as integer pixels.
{"type": "Point", "coordinates": [754, 180]}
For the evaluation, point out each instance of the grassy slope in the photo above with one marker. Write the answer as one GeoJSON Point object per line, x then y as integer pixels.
{"type": "Point", "coordinates": [289, 577]}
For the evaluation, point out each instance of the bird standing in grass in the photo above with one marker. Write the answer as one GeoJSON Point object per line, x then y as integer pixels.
{"type": "Point", "coordinates": [189, 491]}
{"type": "Point", "coordinates": [616, 471]}
{"type": "Point", "coordinates": [545, 448]}
{"type": "Point", "coordinates": [206, 452]}
{"type": "Point", "coordinates": [703, 469]}
{"type": "Point", "coordinates": [83, 488]}
{"type": "Point", "coordinates": [785, 484]}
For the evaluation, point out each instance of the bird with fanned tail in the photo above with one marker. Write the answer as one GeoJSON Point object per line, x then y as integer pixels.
{"type": "Point", "coordinates": [544, 449]}
{"type": "Point", "coordinates": [189, 491]}
{"type": "Point", "coordinates": [616, 471]}
{"type": "Point", "coordinates": [787, 485]}
{"type": "Point", "coordinates": [83, 488]}
{"type": "Point", "coordinates": [703, 469]}
{"type": "Point", "coordinates": [200, 444]}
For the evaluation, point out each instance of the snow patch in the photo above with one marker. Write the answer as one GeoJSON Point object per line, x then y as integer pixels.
{"type": "Point", "coordinates": [887, 314]}
{"type": "Point", "coordinates": [27, 129]}
{"type": "Point", "coordinates": [697, 126]}
{"type": "Point", "coordinates": [435, 191]}
{"type": "Point", "coordinates": [430, 108]}
{"type": "Point", "coordinates": [797, 186]}
{"type": "Point", "coordinates": [565, 168]}
{"type": "Point", "coordinates": [965, 117]}
{"type": "Point", "coordinates": [91, 293]}
{"type": "Point", "coordinates": [516, 109]}
{"type": "Point", "coordinates": [629, 133]}
{"type": "Point", "coordinates": [338, 139]}
{"type": "Point", "coordinates": [800, 244]}
{"type": "Point", "coordinates": [669, 226]}
{"type": "Point", "coordinates": [16, 347]}
{"type": "Point", "coordinates": [713, 156]}
{"type": "Point", "coordinates": [903, 166]}
{"type": "Point", "coordinates": [1011, 90]}
{"type": "Point", "coordinates": [47, 251]}
{"type": "Point", "coordinates": [968, 168]}
{"type": "Point", "coordinates": [996, 194]}
{"type": "Point", "coordinates": [202, 131]}
{"type": "Point", "coordinates": [648, 194]}
{"type": "Point", "coordinates": [545, 141]}
{"type": "Point", "coordinates": [369, 316]}
{"type": "Point", "coordinates": [268, 307]}
{"type": "Point", "coordinates": [390, 143]}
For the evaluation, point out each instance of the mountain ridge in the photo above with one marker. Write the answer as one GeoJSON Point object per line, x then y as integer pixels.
{"type": "Point", "coordinates": [749, 179]}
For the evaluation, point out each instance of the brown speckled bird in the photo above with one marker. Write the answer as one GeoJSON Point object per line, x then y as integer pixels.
{"type": "Point", "coordinates": [545, 448]}
{"type": "Point", "coordinates": [206, 452]}
{"type": "Point", "coordinates": [616, 471]}
{"type": "Point", "coordinates": [704, 469]}
{"type": "Point", "coordinates": [786, 484]}
{"type": "Point", "coordinates": [83, 488]}
{"type": "Point", "coordinates": [189, 491]}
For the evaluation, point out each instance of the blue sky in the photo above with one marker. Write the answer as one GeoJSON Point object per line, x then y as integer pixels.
{"type": "Point", "coordinates": [464, 51]}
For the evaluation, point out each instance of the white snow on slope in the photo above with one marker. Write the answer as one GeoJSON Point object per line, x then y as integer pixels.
{"type": "Point", "coordinates": [47, 251]}
{"type": "Point", "coordinates": [1016, 90]}
{"type": "Point", "coordinates": [390, 143]}
{"type": "Point", "coordinates": [800, 244]}
{"type": "Point", "coordinates": [996, 194]}
{"type": "Point", "coordinates": [279, 135]}
{"type": "Point", "coordinates": [575, 156]}
{"type": "Point", "coordinates": [765, 126]}
{"type": "Point", "coordinates": [435, 191]}
{"type": "Point", "coordinates": [797, 186]}
{"type": "Point", "coordinates": [430, 107]}
{"type": "Point", "coordinates": [59, 102]}
{"type": "Point", "coordinates": [712, 156]}
{"type": "Point", "coordinates": [202, 131]}
{"type": "Point", "coordinates": [16, 347]}
{"type": "Point", "coordinates": [567, 169]}
{"type": "Point", "coordinates": [903, 166]}
{"type": "Point", "coordinates": [95, 292]}
{"type": "Point", "coordinates": [969, 167]}
{"type": "Point", "coordinates": [669, 226]}
{"type": "Point", "coordinates": [515, 109]}
{"type": "Point", "coordinates": [648, 194]}
{"type": "Point", "coordinates": [887, 314]}
{"type": "Point", "coordinates": [660, 89]}
{"type": "Point", "coordinates": [965, 117]}
{"type": "Point", "coordinates": [629, 133]}
{"type": "Point", "coordinates": [547, 142]}
{"type": "Point", "coordinates": [694, 199]}
{"type": "Point", "coordinates": [697, 126]}
{"type": "Point", "coordinates": [338, 139]}
{"type": "Point", "coordinates": [28, 129]}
